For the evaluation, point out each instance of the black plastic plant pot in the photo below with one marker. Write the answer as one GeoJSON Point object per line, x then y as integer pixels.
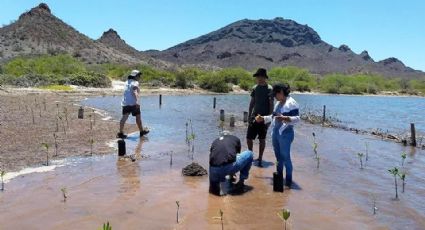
{"type": "Point", "coordinates": [277, 182]}
{"type": "Point", "coordinates": [121, 147]}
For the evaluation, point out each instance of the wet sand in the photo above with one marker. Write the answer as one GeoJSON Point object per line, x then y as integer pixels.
{"type": "Point", "coordinates": [142, 194]}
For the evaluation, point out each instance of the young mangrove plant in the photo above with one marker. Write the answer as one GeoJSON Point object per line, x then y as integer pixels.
{"type": "Point", "coordinates": [187, 132]}
{"type": "Point", "coordinates": [367, 151]}
{"type": "Point", "coordinates": [178, 207]}
{"type": "Point", "coordinates": [65, 112]}
{"type": "Point", "coordinates": [318, 162]}
{"type": "Point", "coordinates": [221, 219]}
{"type": "Point", "coordinates": [374, 208]}
{"type": "Point", "coordinates": [44, 104]}
{"type": "Point", "coordinates": [107, 226]}
{"type": "Point", "coordinates": [63, 124]}
{"type": "Point", "coordinates": [56, 144]}
{"type": "Point", "coordinates": [394, 172]}
{"type": "Point", "coordinates": [360, 155]}
{"type": "Point", "coordinates": [284, 215]}
{"type": "Point", "coordinates": [32, 115]}
{"type": "Point", "coordinates": [94, 117]}
{"type": "Point", "coordinates": [171, 159]}
{"type": "Point", "coordinates": [402, 176]}
{"type": "Point", "coordinates": [91, 146]}
{"type": "Point", "coordinates": [63, 190]}
{"type": "Point", "coordinates": [2, 174]}
{"type": "Point", "coordinates": [46, 146]}
{"type": "Point", "coordinates": [403, 158]}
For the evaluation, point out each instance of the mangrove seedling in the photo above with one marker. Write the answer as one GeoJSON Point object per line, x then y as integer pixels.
{"type": "Point", "coordinates": [403, 158]}
{"type": "Point", "coordinates": [91, 146]}
{"type": "Point", "coordinates": [56, 144]}
{"type": "Point", "coordinates": [63, 124]}
{"type": "Point", "coordinates": [178, 207]}
{"type": "Point", "coordinates": [107, 226]}
{"type": "Point", "coordinates": [63, 190]}
{"type": "Point", "coordinates": [402, 176]}
{"type": "Point", "coordinates": [32, 115]}
{"type": "Point", "coordinates": [46, 146]}
{"type": "Point", "coordinates": [360, 155]}
{"type": "Point", "coordinates": [65, 111]}
{"type": "Point", "coordinates": [44, 104]}
{"type": "Point", "coordinates": [221, 219]}
{"type": "Point", "coordinates": [94, 117]}
{"type": "Point", "coordinates": [171, 158]}
{"type": "Point", "coordinates": [284, 215]}
{"type": "Point", "coordinates": [2, 174]}
{"type": "Point", "coordinates": [367, 151]}
{"type": "Point", "coordinates": [318, 162]}
{"type": "Point", "coordinates": [187, 133]}
{"type": "Point", "coordinates": [394, 172]}
{"type": "Point", "coordinates": [374, 208]}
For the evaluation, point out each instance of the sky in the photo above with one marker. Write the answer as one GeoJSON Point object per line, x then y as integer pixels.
{"type": "Point", "coordinates": [385, 28]}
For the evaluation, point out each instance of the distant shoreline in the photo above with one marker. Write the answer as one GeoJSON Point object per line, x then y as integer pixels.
{"type": "Point", "coordinates": [117, 89]}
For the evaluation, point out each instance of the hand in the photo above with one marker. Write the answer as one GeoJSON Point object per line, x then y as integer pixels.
{"type": "Point", "coordinates": [259, 119]}
{"type": "Point", "coordinates": [283, 118]}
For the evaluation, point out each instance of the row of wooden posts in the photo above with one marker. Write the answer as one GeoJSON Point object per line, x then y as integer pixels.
{"type": "Point", "coordinates": [245, 119]}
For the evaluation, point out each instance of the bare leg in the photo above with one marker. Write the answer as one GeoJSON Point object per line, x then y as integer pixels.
{"type": "Point", "coordinates": [262, 146]}
{"type": "Point", "coordinates": [250, 144]}
{"type": "Point", "coordinates": [122, 122]}
{"type": "Point", "coordinates": [139, 122]}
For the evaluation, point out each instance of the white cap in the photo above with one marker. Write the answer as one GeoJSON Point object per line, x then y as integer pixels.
{"type": "Point", "coordinates": [135, 73]}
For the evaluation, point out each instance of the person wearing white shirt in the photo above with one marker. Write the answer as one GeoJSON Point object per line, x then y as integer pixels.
{"type": "Point", "coordinates": [285, 116]}
{"type": "Point", "coordinates": [131, 103]}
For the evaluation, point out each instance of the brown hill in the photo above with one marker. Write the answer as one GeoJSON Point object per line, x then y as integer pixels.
{"type": "Point", "coordinates": [38, 31]}
{"type": "Point", "coordinates": [279, 42]}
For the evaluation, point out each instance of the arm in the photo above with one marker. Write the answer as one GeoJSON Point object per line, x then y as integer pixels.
{"type": "Point", "coordinates": [136, 91]}
{"type": "Point", "coordinates": [294, 115]}
{"type": "Point", "coordinates": [251, 107]}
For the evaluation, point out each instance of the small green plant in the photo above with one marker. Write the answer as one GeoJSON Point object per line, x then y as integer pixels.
{"type": "Point", "coordinates": [284, 215]}
{"type": "Point", "coordinates": [318, 162]}
{"type": "Point", "coordinates": [56, 144]}
{"type": "Point", "coordinates": [402, 176]}
{"type": "Point", "coordinates": [360, 155]}
{"type": "Point", "coordinates": [178, 207]}
{"type": "Point", "coordinates": [403, 158]}
{"type": "Point", "coordinates": [367, 151]}
{"type": "Point", "coordinates": [2, 174]}
{"type": "Point", "coordinates": [221, 219]}
{"type": "Point", "coordinates": [63, 190]}
{"type": "Point", "coordinates": [106, 226]}
{"type": "Point", "coordinates": [91, 146]}
{"type": "Point", "coordinates": [32, 115]}
{"type": "Point", "coordinates": [394, 172]}
{"type": "Point", "coordinates": [46, 146]}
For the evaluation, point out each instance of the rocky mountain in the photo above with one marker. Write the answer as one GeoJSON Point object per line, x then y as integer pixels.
{"type": "Point", "coordinates": [38, 31]}
{"type": "Point", "coordinates": [279, 42]}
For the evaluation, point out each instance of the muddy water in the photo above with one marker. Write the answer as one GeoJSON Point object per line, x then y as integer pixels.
{"type": "Point", "coordinates": [142, 194]}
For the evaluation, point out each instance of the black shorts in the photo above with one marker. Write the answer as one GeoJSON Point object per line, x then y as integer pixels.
{"type": "Point", "coordinates": [133, 109]}
{"type": "Point", "coordinates": [257, 129]}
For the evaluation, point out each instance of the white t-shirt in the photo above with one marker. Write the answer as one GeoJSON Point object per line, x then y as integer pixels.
{"type": "Point", "coordinates": [129, 98]}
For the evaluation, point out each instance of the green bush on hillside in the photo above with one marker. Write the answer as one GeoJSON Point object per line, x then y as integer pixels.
{"type": "Point", "coordinates": [214, 82]}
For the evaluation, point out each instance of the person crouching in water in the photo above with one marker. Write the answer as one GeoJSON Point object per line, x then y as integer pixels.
{"type": "Point", "coordinates": [131, 103]}
{"type": "Point", "coordinates": [226, 159]}
{"type": "Point", "coordinates": [285, 115]}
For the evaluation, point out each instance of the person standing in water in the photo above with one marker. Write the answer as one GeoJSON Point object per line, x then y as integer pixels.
{"type": "Point", "coordinates": [261, 104]}
{"type": "Point", "coordinates": [131, 103]}
{"type": "Point", "coordinates": [285, 115]}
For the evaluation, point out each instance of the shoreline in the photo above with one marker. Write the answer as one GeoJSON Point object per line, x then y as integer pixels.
{"type": "Point", "coordinates": [118, 87]}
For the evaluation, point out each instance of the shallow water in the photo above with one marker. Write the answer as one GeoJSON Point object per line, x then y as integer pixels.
{"type": "Point", "coordinates": [142, 194]}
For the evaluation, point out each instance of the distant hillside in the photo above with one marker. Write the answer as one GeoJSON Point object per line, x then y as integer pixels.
{"type": "Point", "coordinates": [279, 42]}
{"type": "Point", "coordinates": [38, 31]}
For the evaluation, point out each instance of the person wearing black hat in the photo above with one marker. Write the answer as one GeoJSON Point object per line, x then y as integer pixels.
{"type": "Point", "coordinates": [285, 115]}
{"type": "Point", "coordinates": [261, 104]}
{"type": "Point", "coordinates": [131, 103]}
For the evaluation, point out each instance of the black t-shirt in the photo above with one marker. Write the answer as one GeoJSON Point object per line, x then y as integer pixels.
{"type": "Point", "coordinates": [224, 150]}
{"type": "Point", "coordinates": [262, 98]}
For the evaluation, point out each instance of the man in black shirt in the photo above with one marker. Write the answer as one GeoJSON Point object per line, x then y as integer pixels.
{"type": "Point", "coordinates": [261, 104]}
{"type": "Point", "coordinates": [226, 159]}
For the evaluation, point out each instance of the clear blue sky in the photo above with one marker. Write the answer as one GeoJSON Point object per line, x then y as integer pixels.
{"type": "Point", "coordinates": [385, 28]}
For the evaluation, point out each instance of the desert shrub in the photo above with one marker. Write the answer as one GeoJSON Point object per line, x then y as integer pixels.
{"type": "Point", "coordinates": [214, 82]}
{"type": "Point", "coordinates": [299, 79]}
{"type": "Point", "coordinates": [89, 79]}
{"type": "Point", "coordinates": [186, 77]}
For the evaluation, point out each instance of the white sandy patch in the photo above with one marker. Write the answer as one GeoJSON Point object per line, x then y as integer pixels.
{"type": "Point", "coordinates": [118, 85]}
{"type": "Point", "coordinates": [9, 176]}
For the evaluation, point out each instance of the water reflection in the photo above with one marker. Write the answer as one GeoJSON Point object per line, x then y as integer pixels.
{"type": "Point", "coordinates": [129, 171]}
